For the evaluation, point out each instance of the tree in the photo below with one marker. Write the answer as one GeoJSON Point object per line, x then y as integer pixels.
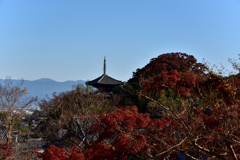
{"type": "Point", "coordinates": [12, 102]}
{"type": "Point", "coordinates": [200, 116]}
{"type": "Point", "coordinates": [124, 133]}
{"type": "Point", "coordinates": [119, 134]}
{"type": "Point", "coordinates": [178, 77]}
{"type": "Point", "coordinates": [178, 61]}
{"type": "Point", "coordinates": [74, 112]}
{"type": "Point", "coordinates": [131, 91]}
{"type": "Point", "coordinates": [197, 105]}
{"type": "Point", "coordinates": [168, 75]}
{"type": "Point", "coordinates": [206, 121]}
{"type": "Point", "coordinates": [127, 134]}
{"type": "Point", "coordinates": [88, 89]}
{"type": "Point", "coordinates": [175, 71]}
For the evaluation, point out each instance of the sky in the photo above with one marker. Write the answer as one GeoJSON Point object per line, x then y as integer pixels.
{"type": "Point", "coordinates": [68, 39]}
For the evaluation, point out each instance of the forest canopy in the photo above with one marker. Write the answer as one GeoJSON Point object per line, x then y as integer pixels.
{"type": "Point", "coordinates": [172, 108]}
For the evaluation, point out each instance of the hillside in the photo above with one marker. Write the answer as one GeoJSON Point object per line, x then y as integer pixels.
{"type": "Point", "coordinates": [45, 86]}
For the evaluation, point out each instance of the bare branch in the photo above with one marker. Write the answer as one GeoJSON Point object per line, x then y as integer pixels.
{"type": "Point", "coordinates": [207, 150]}
{"type": "Point", "coordinates": [170, 149]}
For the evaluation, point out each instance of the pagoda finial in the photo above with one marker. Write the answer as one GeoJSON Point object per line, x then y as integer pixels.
{"type": "Point", "coordinates": [104, 66]}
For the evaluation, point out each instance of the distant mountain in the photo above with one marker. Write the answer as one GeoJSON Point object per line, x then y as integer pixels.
{"type": "Point", "coordinates": [45, 86]}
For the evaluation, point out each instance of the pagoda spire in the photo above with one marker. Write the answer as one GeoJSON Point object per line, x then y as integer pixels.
{"type": "Point", "coordinates": [104, 66]}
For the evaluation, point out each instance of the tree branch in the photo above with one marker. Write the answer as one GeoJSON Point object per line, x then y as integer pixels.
{"type": "Point", "coordinates": [207, 150]}
{"type": "Point", "coordinates": [171, 147]}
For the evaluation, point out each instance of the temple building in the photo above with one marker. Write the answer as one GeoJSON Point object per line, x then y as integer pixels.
{"type": "Point", "coordinates": [104, 83]}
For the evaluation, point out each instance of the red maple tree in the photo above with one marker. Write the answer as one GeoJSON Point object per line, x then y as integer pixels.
{"type": "Point", "coordinates": [206, 124]}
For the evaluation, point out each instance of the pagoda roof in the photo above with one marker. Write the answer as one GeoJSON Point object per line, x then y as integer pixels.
{"type": "Point", "coordinates": [104, 80]}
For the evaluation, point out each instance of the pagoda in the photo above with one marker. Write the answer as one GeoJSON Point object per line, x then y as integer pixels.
{"type": "Point", "coordinates": [104, 83]}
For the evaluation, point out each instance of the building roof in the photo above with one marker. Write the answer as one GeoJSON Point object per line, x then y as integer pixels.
{"type": "Point", "coordinates": [104, 80]}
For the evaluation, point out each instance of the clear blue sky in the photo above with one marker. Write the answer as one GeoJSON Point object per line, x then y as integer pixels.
{"type": "Point", "coordinates": [68, 39]}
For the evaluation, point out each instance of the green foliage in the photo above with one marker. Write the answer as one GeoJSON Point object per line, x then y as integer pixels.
{"type": "Point", "coordinates": [85, 89]}
{"type": "Point", "coordinates": [132, 91]}
{"type": "Point", "coordinates": [95, 109]}
{"type": "Point", "coordinates": [89, 89]}
{"type": "Point", "coordinates": [24, 114]}
{"type": "Point", "coordinates": [117, 89]}
{"type": "Point", "coordinates": [170, 99]}
{"type": "Point", "coordinates": [37, 135]}
{"type": "Point", "coordinates": [16, 121]}
{"type": "Point", "coordinates": [3, 115]}
{"type": "Point", "coordinates": [24, 129]}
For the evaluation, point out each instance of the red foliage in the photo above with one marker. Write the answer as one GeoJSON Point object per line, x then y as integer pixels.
{"type": "Point", "coordinates": [55, 153]}
{"type": "Point", "coordinates": [122, 128]}
{"type": "Point", "coordinates": [172, 61]}
{"type": "Point", "coordinates": [180, 73]}
{"type": "Point", "coordinates": [5, 151]}
{"type": "Point", "coordinates": [99, 151]}
{"type": "Point", "coordinates": [181, 82]}
{"type": "Point", "coordinates": [130, 133]}
{"type": "Point", "coordinates": [127, 134]}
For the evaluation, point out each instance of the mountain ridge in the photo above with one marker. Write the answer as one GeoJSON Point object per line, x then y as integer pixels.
{"type": "Point", "coordinates": [45, 86]}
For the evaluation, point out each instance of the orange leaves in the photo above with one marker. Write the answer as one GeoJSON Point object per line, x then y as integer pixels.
{"type": "Point", "coordinates": [25, 91]}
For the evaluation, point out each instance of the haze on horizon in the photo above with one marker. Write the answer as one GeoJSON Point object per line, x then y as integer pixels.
{"type": "Point", "coordinates": [68, 39]}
